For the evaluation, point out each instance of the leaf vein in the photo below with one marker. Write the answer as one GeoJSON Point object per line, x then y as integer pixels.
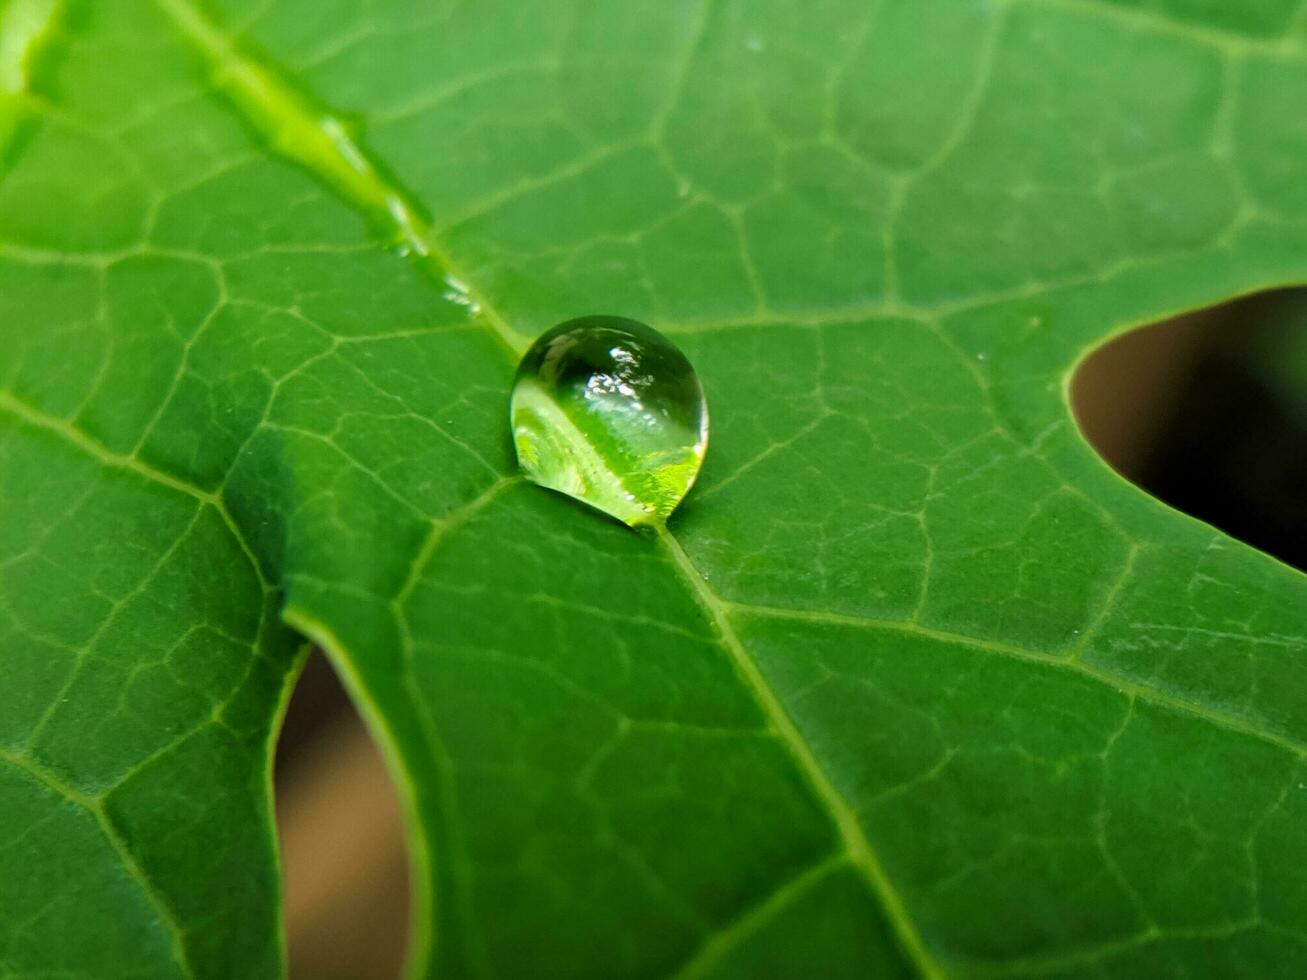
{"type": "Point", "coordinates": [855, 842]}
{"type": "Point", "coordinates": [1172, 702]}
{"type": "Point", "coordinates": [110, 833]}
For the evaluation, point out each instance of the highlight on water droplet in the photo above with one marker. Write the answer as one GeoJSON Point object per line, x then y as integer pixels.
{"type": "Point", "coordinates": [609, 411]}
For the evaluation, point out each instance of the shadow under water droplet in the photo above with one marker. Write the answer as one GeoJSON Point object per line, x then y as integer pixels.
{"type": "Point", "coordinates": [1208, 412]}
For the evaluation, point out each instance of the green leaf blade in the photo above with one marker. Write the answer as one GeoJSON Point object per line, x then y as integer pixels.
{"type": "Point", "coordinates": [911, 662]}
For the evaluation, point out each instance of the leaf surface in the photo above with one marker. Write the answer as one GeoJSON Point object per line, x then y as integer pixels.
{"type": "Point", "coordinates": [913, 684]}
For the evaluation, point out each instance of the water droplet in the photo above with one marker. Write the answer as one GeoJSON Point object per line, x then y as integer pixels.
{"type": "Point", "coordinates": [609, 411]}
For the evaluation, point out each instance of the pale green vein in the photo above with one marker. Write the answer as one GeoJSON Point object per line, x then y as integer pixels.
{"type": "Point", "coordinates": [1099, 955]}
{"type": "Point", "coordinates": [938, 311]}
{"type": "Point", "coordinates": [1151, 695]}
{"type": "Point", "coordinates": [962, 128]}
{"type": "Point", "coordinates": [213, 719]}
{"type": "Point", "coordinates": [449, 91]}
{"type": "Point", "coordinates": [522, 188]}
{"type": "Point", "coordinates": [304, 132]}
{"type": "Point", "coordinates": [772, 448]}
{"type": "Point", "coordinates": [39, 419]}
{"type": "Point", "coordinates": [441, 527]}
{"type": "Point", "coordinates": [95, 808]}
{"type": "Point", "coordinates": [1108, 603]}
{"type": "Point", "coordinates": [110, 618]}
{"type": "Point", "coordinates": [449, 788]}
{"type": "Point", "coordinates": [1148, 21]}
{"type": "Point", "coordinates": [351, 460]}
{"type": "Point", "coordinates": [855, 842]}
{"type": "Point", "coordinates": [723, 941]}
{"type": "Point", "coordinates": [680, 72]}
{"type": "Point", "coordinates": [79, 439]}
{"type": "Point", "coordinates": [188, 350]}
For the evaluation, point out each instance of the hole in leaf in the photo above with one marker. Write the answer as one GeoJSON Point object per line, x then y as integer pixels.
{"type": "Point", "coordinates": [1208, 412]}
{"type": "Point", "coordinates": [345, 867]}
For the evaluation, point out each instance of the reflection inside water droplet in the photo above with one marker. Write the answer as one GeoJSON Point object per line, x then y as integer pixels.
{"type": "Point", "coordinates": [609, 411]}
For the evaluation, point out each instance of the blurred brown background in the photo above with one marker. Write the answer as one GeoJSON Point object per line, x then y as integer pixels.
{"type": "Point", "coordinates": [342, 839]}
{"type": "Point", "coordinates": [1207, 412]}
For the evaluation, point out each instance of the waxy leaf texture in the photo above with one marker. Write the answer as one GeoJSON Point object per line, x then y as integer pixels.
{"type": "Point", "coordinates": [912, 684]}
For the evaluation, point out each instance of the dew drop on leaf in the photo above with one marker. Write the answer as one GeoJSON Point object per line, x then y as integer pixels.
{"type": "Point", "coordinates": [609, 411]}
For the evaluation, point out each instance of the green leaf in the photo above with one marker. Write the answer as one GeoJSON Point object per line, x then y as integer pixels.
{"type": "Point", "coordinates": [912, 684]}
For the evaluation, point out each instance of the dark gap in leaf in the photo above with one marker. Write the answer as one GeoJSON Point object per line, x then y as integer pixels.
{"type": "Point", "coordinates": [1208, 412]}
{"type": "Point", "coordinates": [345, 866]}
